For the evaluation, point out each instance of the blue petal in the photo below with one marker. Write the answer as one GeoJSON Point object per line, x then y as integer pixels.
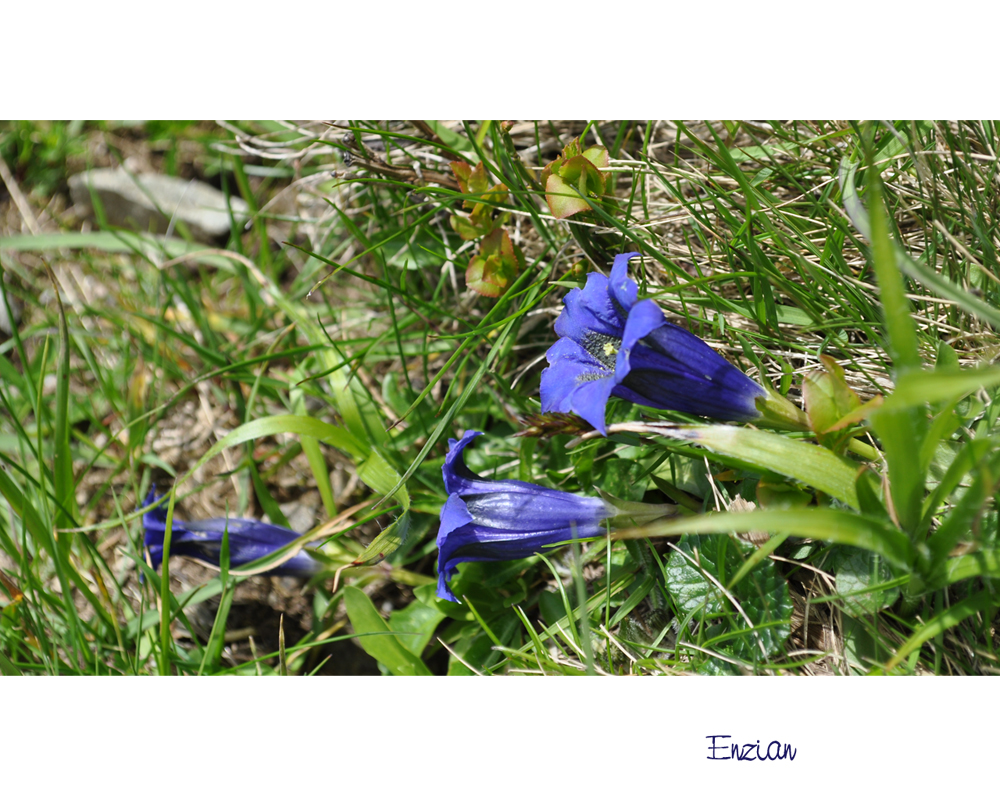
{"type": "Point", "coordinates": [249, 540]}
{"type": "Point", "coordinates": [664, 366]}
{"type": "Point", "coordinates": [476, 543]}
{"type": "Point", "coordinates": [460, 480]}
{"type": "Point", "coordinates": [454, 515]}
{"type": "Point", "coordinates": [542, 510]}
{"type": "Point", "coordinates": [623, 289]}
{"type": "Point", "coordinates": [504, 520]}
{"type": "Point", "coordinates": [643, 319]}
{"type": "Point", "coordinates": [656, 363]}
{"type": "Point", "coordinates": [576, 382]}
{"type": "Point", "coordinates": [590, 310]}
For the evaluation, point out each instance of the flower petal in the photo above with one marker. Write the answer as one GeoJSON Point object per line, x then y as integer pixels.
{"type": "Point", "coordinates": [454, 515]}
{"type": "Point", "coordinates": [590, 310]}
{"type": "Point", "coordinates": [623, 289]}
{"type": "Point", "coordinates": [615, 344]}
{"type": "Point", "coordinates": [576, 382]}
{"type": "Point", "coordinates": [459, 479]}
{"type": "Point", "coordinates": [643, 319]}
{"type": "Point", "coordinates": [249, 540]}
{"type": "Point", "coordinates": [504, 520]}
{"type": "Point", "coordinates": [665, 366]}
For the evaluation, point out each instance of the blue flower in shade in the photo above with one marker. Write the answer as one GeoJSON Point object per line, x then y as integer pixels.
{"type": "Point", "coordinates": [612, 345]}
{"type": "Point", "coordinates": [202, 539]}
{"type": "Point", "coordinates": [486, 520]}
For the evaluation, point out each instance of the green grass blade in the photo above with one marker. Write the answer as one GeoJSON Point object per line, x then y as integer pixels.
{"type": "Point", "coordinates": [825, 524]}
{"type": "Point", "coordinates": [949, 618]}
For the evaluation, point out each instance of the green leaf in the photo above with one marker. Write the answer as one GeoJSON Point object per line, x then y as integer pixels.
{"type": "Point", "coordinates": [377, 639]}
{"type": "Point", "coordinates": [7, 667]}
{"type": "Point", "coordinates": [827, 396]}
{"type": "Point", "coordinates": [496, 266]}
{"type": "Point", "coordinates": [985, 563]}
{"type": "Point", "coordinates": [469, 228]}
{"type": "Point", "coordinates": [826, 524]}
{"type": "Point", "coordinates": [940, 385]}
{"type": "Point", "coordinates": [963, 519]}
{"type": "Point", "coordinates": [563, 200]}
{"type": "Point", "coordinates": [808, 463]}
{"type": "Point", "coordinates": [860, 574]}
{"type": "Point", "coordinates": [949, 618]}
{"type": "Point", "coordinates": [762, 595]}
{"type": "Point", "coordinates": [62, 469]}
{"type": "Point", "coordinates": [463, 173]}
{"type": "Point", "coordinates": [873, 224]}
{"type": "Point", "coordinates": [418, 619]}
{"type": "Point", "coordinates": [386, 543]}
{"type": "Point", "coordinates": [451, 139]}
{"type": "Point", "coordinates": [621, 479]}
{"type": "Point", "coordinates": [598, 156]}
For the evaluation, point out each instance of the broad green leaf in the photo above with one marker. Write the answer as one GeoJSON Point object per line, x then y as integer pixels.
{"type": "Point", "coordinates": [378, 474]}
{"type": "Point", "coordinates": [860, 574]}
{"type": "Point", "coordinates": [598, 156]}
{"type": "Point", "coordinates": [583, 175]}
{"type": "Point", "coordinates": [496, 266]}
{"type": "Point", "coordinates": [620, 479]}
{"type": "Point", "coordinates": [762, 595]}
{"type": "Point", "coordinates": [419, 620]}
{"type": "Point", "coordinates": [898, 429]}
{"type": "Point", "coordinates": [808, 463]}
{"type": "Point", "coordinates": [563, 200]}
{"type": "Point", "coordinates": [463, 173]}
{"type": "Point", "coordinates": [873, 224]}
{"type": "Point", "coordinates": [469, 228]}
{"type": "Point", "coordinates": [985, 563]}
{"type": "Point", "coordinates": [376, 638]}
{"type": "Point", "coordinates": [777, 495]}
{"type": "Point", "coordinates": [827, 396]}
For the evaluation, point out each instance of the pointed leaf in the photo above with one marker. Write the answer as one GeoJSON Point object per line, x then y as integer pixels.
{"type": "Point", "coordinates": [808, 463]}
{"type": "Point", "coordinates": [379, 642]}
{"type": "Point", "coordinates": [825, 524]}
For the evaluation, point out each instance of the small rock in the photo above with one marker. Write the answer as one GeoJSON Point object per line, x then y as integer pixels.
{"type": "Point", "coordinates": [147, 202]}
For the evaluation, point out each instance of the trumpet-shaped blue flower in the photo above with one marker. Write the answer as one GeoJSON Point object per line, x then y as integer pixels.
{"type": "Point", "coordinates": [613, 345]}
{"type": "Point", "coordinates": [486, 520]}
{"type": "Point", "coordinates": [202, 539]}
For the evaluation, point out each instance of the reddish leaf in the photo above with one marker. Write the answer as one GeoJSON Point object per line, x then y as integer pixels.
{"type": "Point", "coordinates": [562, 199]}
{"type": "Point", "coordinates": [496, 266]}
{"type": "Point", "coordinates": [462, 172]}
{"type": "Point", "coordinates": [598, 156]}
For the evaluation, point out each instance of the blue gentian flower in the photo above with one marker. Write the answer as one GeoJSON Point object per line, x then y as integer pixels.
{"type": "Point", "coordinates": [202, 539]}
{"type": "Point", "coordinates": [485, 520]}
{"type": "Point", "coordinates": [612, 345]}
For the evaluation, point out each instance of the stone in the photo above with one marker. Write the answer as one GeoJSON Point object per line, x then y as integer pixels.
{"type": "Point", "coordinates": [147, 202]}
